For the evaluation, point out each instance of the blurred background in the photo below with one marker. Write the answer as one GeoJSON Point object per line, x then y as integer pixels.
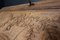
{"type": "Point", "coordinates": [4, 3]}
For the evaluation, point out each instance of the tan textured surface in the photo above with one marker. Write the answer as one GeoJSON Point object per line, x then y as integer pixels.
{"type": "Point", "coordinates": [26, 24]}
{"type": "Point", "coordinates": [29, 25]}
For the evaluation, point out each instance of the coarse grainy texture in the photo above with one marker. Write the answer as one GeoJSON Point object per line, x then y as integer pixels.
{"type": "Point", "coordinates": [29, 25]}
{"type": "Point", "coordinates": [38, 22]}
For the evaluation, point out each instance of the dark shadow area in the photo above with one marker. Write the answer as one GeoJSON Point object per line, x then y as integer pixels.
{"type": "Point", "coordinates": [5, 3]}
{"type": "Point", "coordinates": [2, 3]}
